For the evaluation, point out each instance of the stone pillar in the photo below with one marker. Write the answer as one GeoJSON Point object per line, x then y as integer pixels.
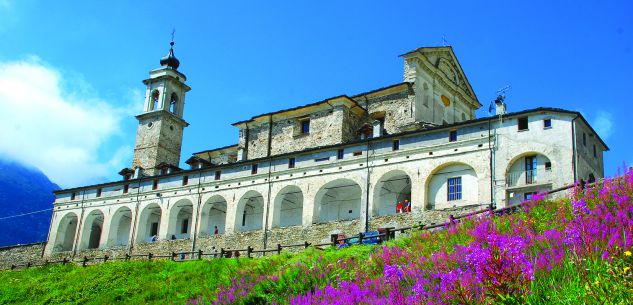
{"type": "Point", "coordinates": [364, 204]}
{"type": "Point", "coordinates": [79, 235]}
{"type": "Point", "coordinates": [309, 201]}
{"type": "Point", "coordinates": [52, 238]}
{"type": "Point", "coordinates": [418, 192]}
{"type": "Point", "coordinates": [231, 211]}
{"type": "Point", "coordinates": [164, 221]}
{"type": "Point", "coordinates": [105, 230]}
{"type": "Point", "coordinates": [195, 219]}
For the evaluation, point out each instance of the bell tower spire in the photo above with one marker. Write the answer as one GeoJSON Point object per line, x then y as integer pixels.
{"type": "Point", "coordinates": [161, 125]}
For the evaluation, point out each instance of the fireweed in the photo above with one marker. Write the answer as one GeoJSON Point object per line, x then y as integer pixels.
{"type": "Point", "coordinates": [484, 259]}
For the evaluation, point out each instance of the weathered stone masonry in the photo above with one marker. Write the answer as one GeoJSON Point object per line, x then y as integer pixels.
{"type": "Point", "coordinates": [335, 166]}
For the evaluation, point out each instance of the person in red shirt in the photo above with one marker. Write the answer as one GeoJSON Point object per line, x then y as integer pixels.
{"type": "Point", "coordinates": [399, 207]}
{"type": "Point", "coordinates": [216, 230]}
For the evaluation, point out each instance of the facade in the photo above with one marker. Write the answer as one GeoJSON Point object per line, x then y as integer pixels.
{"type": "Point", "coordinates": [341, 165]}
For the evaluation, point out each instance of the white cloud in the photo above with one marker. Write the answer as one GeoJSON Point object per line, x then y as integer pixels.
{"type": "Point", "coordinates": [48, 122]}
{"type": "Point", "coordinates": [603, 124]}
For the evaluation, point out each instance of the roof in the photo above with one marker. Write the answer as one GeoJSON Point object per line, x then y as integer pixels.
{"type": "Point", "coordinates": [311, 149]}
{"type": "Point", "coordinates": [325, 101]}
{"type": "Point", "coordinates": [215, 149]}
{"type": "Point", "coordinates": [408, 84]}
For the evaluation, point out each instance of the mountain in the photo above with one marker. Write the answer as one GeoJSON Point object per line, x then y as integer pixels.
{"type": "Point", "coordinates": [24, 190]}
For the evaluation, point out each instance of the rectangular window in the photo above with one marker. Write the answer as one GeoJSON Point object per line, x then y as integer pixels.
{"type": "Point", "coordinates": [454, 191]}
{"type": "Point", "coordinates": [584, 139]}
{"type": "Point", "coordinates": [73, 195]}
{"type": "Point", "coordinates": [528, 196]}
{"type": "Point", "coordinates": [291, 163]}
{"type": "Point", "coordinates": [595, 154]}
{"type": "Point", "coordinates": [126, 188]}
{"type": "Point", "coordinates": [99, 192]}
{"type": "Point", "coordinates": [155, 184]}
{"type": "Point", "coordinates": [395, 145]}
{"type": "Point", "coordinates": [547, 123]}
{"type": "Point", "coordinates": [452, 136]}
{"type": "Point", "coordinates": [340, 154]}
{"type": "Point", "coordinates": [523, 123]}
{"type": "Point", "coordinates": [185, 226]}
{"type": "Point", "coordinates": [254, 169]}
{"type": "Point", "coordinates": [154, 230]}
{"type": "Point", "coordinates": [305, 126]}
{"type": "Point", "coordinates": [358, 153]}
{"type": "Point", "coordinates": [321, 159]}
{"type": "Point", "coordinates": [530, 169]}
{"type": "Point", "coordinates": [185, 180]}
{"type": "Point", "coordinates": [218, 175]}
{"type": "Point", "coordinates": [548, 166]}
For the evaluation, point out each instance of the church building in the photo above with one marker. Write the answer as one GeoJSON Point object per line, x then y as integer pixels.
{"type": "Point", "coordinates": [405, 154]}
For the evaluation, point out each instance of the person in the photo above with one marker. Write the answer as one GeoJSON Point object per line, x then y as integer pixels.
{"type": "Point", "coordinates": [154, 238]}
{"type": "Point", "coordinates": [591, 179]}
{"type": "Point", "coordinates": [182, 255]}
{"type": "Point", "coordinates": [173, 236]}
{"type": "Point", "coordinates": [407, 206]}
{"type": "Point", "coordinates": [582, 184]}
{"type": "Point", "coordinates": [399, 207]}
{"type": "Point", "coordinates": [236, 254]}
{"type": "Point", "coordinates": [216, 231]}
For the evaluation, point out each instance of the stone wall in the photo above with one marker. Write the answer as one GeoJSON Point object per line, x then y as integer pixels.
{"type": "Point", "coordinates": [21, 254]}
{"type": "Point", "coordinates": [257, 146]}
{"type": "Point", "coordinates": [398, 110]}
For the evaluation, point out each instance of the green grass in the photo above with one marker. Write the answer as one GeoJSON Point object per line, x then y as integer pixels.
{"type": "Point", "coordinates": [576, 281]}
{"type": "Point", "coordinates": [142, 282]}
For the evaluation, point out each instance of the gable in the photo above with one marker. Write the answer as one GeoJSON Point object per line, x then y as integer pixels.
{"type": "Point", "coordinates": [444, 62]}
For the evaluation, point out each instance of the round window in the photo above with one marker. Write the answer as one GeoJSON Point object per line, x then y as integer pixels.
{"type": "Point", "coordinates": [150, 125]}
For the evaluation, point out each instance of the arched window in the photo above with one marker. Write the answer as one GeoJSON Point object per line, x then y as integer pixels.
{"type": "Point", "coordinates": [173, 102]}
{"type": "Point", "coordinates": [154, 102]}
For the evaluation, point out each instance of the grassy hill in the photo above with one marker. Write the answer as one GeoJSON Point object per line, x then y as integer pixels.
{"type": "Point", "coordinates": [571, 251]}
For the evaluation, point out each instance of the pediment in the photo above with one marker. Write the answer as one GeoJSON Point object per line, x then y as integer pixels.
{"type": "Point", "coordinates": [444, 62]}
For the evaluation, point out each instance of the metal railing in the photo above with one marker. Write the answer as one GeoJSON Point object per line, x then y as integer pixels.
{"type": "Point", "coordinates": [528, 177]}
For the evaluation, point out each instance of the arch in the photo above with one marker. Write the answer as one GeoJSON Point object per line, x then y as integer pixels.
{"type": "Point", "coordinates": [519, 172]}
{"type": "Point", "coordinates": [337, 200]}
{"type": "Point", "coordinates": [91, 232]}
{"type": "Point", "coordinates": [250, 212]}
{"type": "Point", "coordinates": [288, 207]}
{"type": "Point", "coordinates": [149, 223]}
{"type": "Point", "coordinates": [391, 188]}
{"type": "Point", "coordinates": [527, 173]}
{"type": "Point", "coordinates": [173, 103]}
{"type": "Point", "coordinates": [180, 219]}
{"type": "Point", "coordinates": [213, 214]}
{"type": "Point", "coordinates": [153, 101]}
{"type": "Point", "coordinates": [120, 226]}
{"type": "Point", "coordinates": [451, 184]}
{"type": "Point", "coordinates": [66, 231]}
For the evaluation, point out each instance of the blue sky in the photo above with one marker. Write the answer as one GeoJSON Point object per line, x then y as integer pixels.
{"type": "Point", "coordinates": [71, 71]}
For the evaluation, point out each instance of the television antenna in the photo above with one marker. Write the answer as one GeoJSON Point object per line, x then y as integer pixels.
{"type": "Point", "coordinates": [444, 41]}
{"type": "Point", "coordinates": [502, 91]}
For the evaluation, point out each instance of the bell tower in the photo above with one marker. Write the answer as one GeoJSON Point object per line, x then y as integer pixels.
{"type": "Point", "coordinates": [160, 126]}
